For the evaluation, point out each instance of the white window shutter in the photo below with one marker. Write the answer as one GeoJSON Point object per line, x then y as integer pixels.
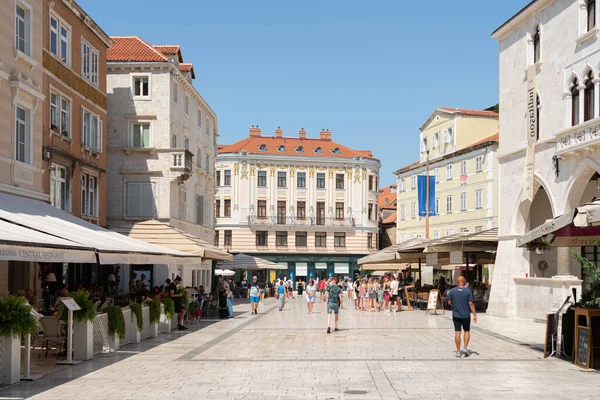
{"type": "Point", "coordinates": [147, 199]}
{"type": "Point", "coordinates": [133, 199]}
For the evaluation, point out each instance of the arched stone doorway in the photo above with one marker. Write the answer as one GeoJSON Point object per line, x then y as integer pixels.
{"type": "Point", "coordinates": [540, 265]}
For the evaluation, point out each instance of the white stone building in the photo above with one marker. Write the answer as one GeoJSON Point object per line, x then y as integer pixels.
{"type": "Point", "coordinates": [555, 43]}
{"type": "Point", "coordinates": [162, 139]}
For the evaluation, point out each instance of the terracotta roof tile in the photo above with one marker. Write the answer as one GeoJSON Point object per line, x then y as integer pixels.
{"type": "Point", "coordinates": [185, 67]}
{"type": "Point", "coordinates": [464, 111]}
{"type": "Point", "coordinates": [386, 193]}
{"type": "Point", "coordinates": [132, 49]}
{"type": "Point", "coordinates": [287, 146]}
{"type": "Point", "coordinates": [167, 49]}
{"type": "Point", "coordinates": [494, 138]}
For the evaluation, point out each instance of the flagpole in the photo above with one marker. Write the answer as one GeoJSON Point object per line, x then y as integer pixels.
{"type": "Point", "coordinates": [427, 198]}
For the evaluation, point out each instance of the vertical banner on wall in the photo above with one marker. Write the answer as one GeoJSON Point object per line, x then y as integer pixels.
{"type": "Point", "coordinates": [422, 188]}
{"type": "Point", "coordinates": [532, 134]}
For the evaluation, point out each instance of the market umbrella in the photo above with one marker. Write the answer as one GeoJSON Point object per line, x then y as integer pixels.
{"type": "Point", "coordinates": [224, 272]}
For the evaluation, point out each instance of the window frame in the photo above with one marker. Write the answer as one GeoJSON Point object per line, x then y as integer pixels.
{"type": "Point", "coordinates": [186, 105]}
{"type": "Point", "coordinates": [320, 180]}
{"type": "Point", "coordinates": [281, 238]}
{"type": "Point", "coordinates": [228, 238]}
{"type": "Point", "coordinates": [370, 240]}
{"type": "Point", "coordinates": [449, 172]}
{"type": "Point", "coordinates": [199, 118]}
{"type": "Point", "coordinates": [281, 212]}
{"type": "Point", "coordinates": [175, 91]}
{"type": "Point", "coordinates": [303, 236]}
{"type": "Point", "coordinates": [463, 201]}
{"type": "Point", "coordinates": [262, 238]}
{"type": "Point", "coordinates": [591, 16]}
{"type": "Point", "coordinates": [227, 208]}
{"type": "Point", "coordinates": [301, 178]}
{"type": "Point", "coordinates": [403, 212]}
{"type": "Point", "coordinates": [86, 200]}
{"type": "Point", "coordinates": [589, 97]}
{"type": "Point", "coordinates": [320, 239]}
{"type": "Point", "coordinates": [55, 180]}
{"type": "Point", "coordinates": [27, 142]}
{"type": "Point", "coordinates": [281, 179]}
{"type": "Point", "coordinates": [141, 96]}
{"type": "Point", "coordinates": [479, 163]}
{"type": "Point", "coordinates": [575, 95]}
{"type": "Point", "coordinates": [60, 23]}
{"type": "Point", "coordinates": [93, 74]}
{"type": "Point", "coordinates": [339, 181]}
{"type": "Point", "coordinates": [436, 172]}
{"type": "Point", "coordinates": [339, 211]}
{"type": "Point", "coordinates": [463, 168]}
{"type": "Point", "coordinates": [261, 177]}
{"type": "Point", "coordinates": [226, 177]}
{"type": "Point", "coordinates": [140, 123]}
{"type": "Point", "coordinates": [303, 208]}
{"type": "Point", "coordinates": [98, 130]}
{"type": "Point", "coordinates": [27, 28]}
{"type": "Point", "coordinates": [449, 204]}
{"type": "Point", "coordinates": [537, 42]}
{"type": "Point", "coordinates": [182, 203]}
{"type": "Point", "coordinates": [129, 196]}
{"type": "Point", "coordinates": [261, 209]}
{"type": "Point", "coordinates": [479, 199]}
{"type": "Point", "coordinates": [339, 239]}
{"type": "Point", "coordinates": [320, 220]}
{"type": "Point", "coordinates": [218, 208]}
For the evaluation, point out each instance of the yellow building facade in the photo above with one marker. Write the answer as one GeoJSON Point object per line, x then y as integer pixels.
{"type": "Point", "coordinates": [462, 146]}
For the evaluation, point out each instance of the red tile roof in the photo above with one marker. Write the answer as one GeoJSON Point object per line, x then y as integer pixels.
{"type": "Point", "coordinates": [133, 49]}
{"type": "Point", "coordinates": [273, 147]}
{"type": "Point", "coordinates": [185, 67]}
{"type": "Point", "coordinates": [167, 49]}
{"type": "Point", "coordinates": [386, 193]}
{"type": "Point", "coordinates": [391, 219]}
{"type": "Point", "coordinates": [494, 138]}
{"type": "Point", "coordinates": [464, 111]}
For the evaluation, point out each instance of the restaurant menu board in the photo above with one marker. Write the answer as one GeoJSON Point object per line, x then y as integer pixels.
{"type": "Point", "coordinates": [70, 303]}
{"type": "Point", "coordinates": [550, 329]}
{"type": "Point", "coordinates": [432, 302]}
{"type": "Point", "coordinates": [582, 348]}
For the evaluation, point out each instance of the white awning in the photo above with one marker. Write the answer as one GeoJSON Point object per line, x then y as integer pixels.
{"type": "Point", "coordinates": [18, 243]}
{"type": "Point", "coordinates": [246, 261]}
{"type": "Point", "coordinates": [113, 248]}
{"type": "Point", "coordinates": [162, 234]}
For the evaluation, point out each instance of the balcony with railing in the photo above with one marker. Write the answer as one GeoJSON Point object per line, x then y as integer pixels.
{"type": "Point", "coordinates": [279, 222]}
{"type": "Point", "coordinates": [181, 161]}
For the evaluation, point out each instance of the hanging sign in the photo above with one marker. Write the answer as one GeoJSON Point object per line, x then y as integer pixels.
{"type": "Point", "coordinates": [532, 134]}
{"type": "Point", "coordinates": [341, 268]}
{"type": "Point", "coordinates": [431, 258]}
{"type": "Point", "coordinates": [320, 265]}
{"type": "Point", "coordinates": [456, 257]}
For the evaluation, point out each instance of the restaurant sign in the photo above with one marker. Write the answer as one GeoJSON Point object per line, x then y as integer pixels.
{"type": "Point", "coordinates": [532, 116]}
{"type": "Point", "coordinates": [46, 255]}
{"type": "Point", "coordinates": [431, 258]}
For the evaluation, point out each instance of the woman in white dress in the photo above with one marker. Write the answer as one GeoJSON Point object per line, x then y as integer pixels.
{"type": "Point", "coordinates": [311, 295]}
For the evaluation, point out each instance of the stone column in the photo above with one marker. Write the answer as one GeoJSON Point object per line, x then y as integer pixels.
{"type": "Point", "coordinates": [596, 97]}
{"type": "Point", "coordinates": [581, 103]}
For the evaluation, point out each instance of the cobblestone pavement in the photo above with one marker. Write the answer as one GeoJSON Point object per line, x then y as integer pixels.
{"type": "Point", "coordinates": [289, 355]}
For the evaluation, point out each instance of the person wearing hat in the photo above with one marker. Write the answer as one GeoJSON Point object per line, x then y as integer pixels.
{"type": "Point", "coordinates": [176, 297]}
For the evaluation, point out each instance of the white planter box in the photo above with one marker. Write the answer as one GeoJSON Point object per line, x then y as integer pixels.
{"type": "Point", "coordinates": [164, 326]}
{"type": "Point", "coordinates": [114, 342]}
{"type": "Point", "coordinates": [83, 341]}
{"type": "Point", "coordinates": [10, 371]}
{"type": "Point", "coordinates": [154, 330]}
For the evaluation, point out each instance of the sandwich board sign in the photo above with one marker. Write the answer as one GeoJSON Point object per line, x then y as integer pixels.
{"type": "Point", "coordinates": [432, 302]}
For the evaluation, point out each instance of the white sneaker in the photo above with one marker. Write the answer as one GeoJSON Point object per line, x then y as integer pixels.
{"type": "Point", "coordinates": [459, 354]}
{"type": "Point", "coordinates": [466, 352]}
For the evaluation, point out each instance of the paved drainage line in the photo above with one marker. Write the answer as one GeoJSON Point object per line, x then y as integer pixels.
{"type": "Point", "coordinates": [199, 350]}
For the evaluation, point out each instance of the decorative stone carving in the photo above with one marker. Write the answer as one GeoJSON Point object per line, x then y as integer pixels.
{"type": "Point", "coordinates": [236, 168]}
{"type": "Point", "coordinates": [330, 171]}
{"type": "Point", "coordinates": [311, 171]}
{"type": "Point", "coordinates": [292, 170]}
{"type": "Point", "coordinates": [244, 174]}
{"type": "Point", "coordinates": [272, 169]}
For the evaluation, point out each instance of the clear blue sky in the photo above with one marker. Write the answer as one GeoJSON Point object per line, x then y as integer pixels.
{"type": "Point", "coordinates": [370, 71]}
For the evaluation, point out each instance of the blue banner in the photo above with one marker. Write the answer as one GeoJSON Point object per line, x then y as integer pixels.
{"type": "Point", "coordinates": [421, 185]}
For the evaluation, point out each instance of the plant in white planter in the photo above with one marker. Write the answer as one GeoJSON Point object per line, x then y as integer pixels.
{"type": "Point", "coordinates": [116, 326]}
{"type": "Point", "coordinates": [136, 312]}
{"type": "Point", "coordinates": [83, 332]}
{"type": "Point", "coordinates": [154, 317]}
{"type": "Point", "coordinates": [16, 321]}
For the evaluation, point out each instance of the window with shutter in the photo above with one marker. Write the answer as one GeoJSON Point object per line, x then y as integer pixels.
{"type": "Point", "coordinates": [200, 210]}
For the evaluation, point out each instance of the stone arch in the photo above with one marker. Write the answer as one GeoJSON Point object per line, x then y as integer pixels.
{"type": "Point", "coordinates": [524, 209]}
{"type": "Point", "coordinates": [579, 181]}
{"type": "Point", "coordinates": [570, 80]}
{"type": "Point", "coordinates": [585, 73]}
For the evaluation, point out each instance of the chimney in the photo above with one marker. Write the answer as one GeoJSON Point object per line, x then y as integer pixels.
{"type": "Point", "coordinates": [278, 132]}
{"type": "Point", "coordinates": [255, 132]}
{"type": "Point", "coordinates": [325, 134]}
{"type": "Point", "coordinates": [302, 134]}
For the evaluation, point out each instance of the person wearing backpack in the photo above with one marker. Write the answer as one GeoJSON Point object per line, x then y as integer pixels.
{"type": "Point", "coordinates": [335, 300]}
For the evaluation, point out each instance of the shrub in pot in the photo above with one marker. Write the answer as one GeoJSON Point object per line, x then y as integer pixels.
{"type": "Point", "coordinates": [169, 307]}
{"type": "Point", "coordinates": [87, 312]}
{"type": "Point", "coordinates": [16, 321]}
{"type": "Point", "coordinates": [154, 311]}
{"type": "Point", "coordinates": [116, 321]}
{"type": "Point", "coordinates": [136, 311]}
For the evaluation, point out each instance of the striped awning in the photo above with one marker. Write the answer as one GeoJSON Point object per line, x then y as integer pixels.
{"type": "Point", "coordinates": [246, 261]}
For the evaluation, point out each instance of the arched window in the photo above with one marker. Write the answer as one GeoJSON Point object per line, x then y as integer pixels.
{"type": "Point", "coordinates": [588, 112]}
{"type": "Point", "coordinates": [575, 102]}
{"type": "Point", "coordinates": [591, 14]}
{"type": "Point", "coordinates": [536, 44]}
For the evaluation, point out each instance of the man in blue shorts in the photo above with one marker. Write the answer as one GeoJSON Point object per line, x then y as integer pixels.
{"type": "Point", "coordinates": [253, 294]}
{"type": "Point", "coordinates": [335, 299]}
{"type": "Point", "coordinates": [461, 300]}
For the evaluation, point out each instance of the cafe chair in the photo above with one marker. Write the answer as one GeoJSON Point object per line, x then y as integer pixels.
{"type": "Point", "coordinates": [96, 305]}
{"type": "Point", "coordinates": [38, 305]}
{"type": "Point", "coordinates": [106, 303]}
{"type": "Point", "coordinates": [53, 334]}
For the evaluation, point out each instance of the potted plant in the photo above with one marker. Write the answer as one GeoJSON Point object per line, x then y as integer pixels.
{"type": "Point", "coordinates": [16, 322]}
{"type": "Point", "coordinates": [83, 332]}
{"type": "Point", "coordinates": [589, 298]}
{"type": "Point", "coordinates": [136, 312]}
{"type": "Point", "coordinates": [116, 326]}
{"type": "Point", "coordinates": [166, 317]}
{"type": "Point", "coordinates": [155, 311]}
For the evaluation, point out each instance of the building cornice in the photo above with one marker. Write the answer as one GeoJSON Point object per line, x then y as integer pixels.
{"type": "Point", "coordinates": [454, 154]}
{"type": "Point", "coordinates": [237, 157]}
{"type": "Point", "coordinates": [88, 21]}
{"type": "Point", "coordinates": [526, 14]}
{"type": "Point", "coordinates": [120, 65]}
